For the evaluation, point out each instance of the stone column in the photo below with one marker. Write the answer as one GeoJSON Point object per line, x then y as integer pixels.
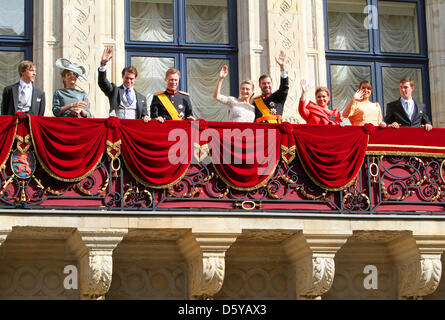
{"type": "Point", "coordinates": [435, 25]}
{"type": "Point", "coordinates": [419, 266]}
{"type": "Point", "coordinates": [94, 249]}
{"type": "Point", "coordinates": [78, 30]}
{"type": "Point", "coordinates": [296, 26]}
{"type": "Point", "coordinates": [312, 257]}
{"type": "Point", "coordinates": [205, 255]}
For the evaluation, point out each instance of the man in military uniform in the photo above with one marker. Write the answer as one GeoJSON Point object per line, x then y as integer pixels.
{"type": "Point", "coordinates": [269, 106]}
{"type": "Point", "coordinates": [171, 104]}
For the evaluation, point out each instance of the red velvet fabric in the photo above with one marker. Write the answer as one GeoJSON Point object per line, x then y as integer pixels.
{"type": "Point", "coordinates": [245, 155]}
{"type": "Point", "coordinates": [69, 148]}
{"type": "Point", "coordinates": [331, 155]}
{"type": "Point", "coordinates": [7, 134]}
{"type": "Point", "coordinates": [149, 155]}
{"type": "Point", "coordinates": [414, 141]}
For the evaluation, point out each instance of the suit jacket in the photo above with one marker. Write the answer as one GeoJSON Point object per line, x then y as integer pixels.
{"type": "Point", "coordinates": [276, 100]}
{"type": "Point", "coordinates": [180, 100]}
{"type": "Point", "coordinates": [115, 95]}
{"type": "Point", "coordinates": [11, 99]}
{"type": "Point", "coordinates": [396, 113]}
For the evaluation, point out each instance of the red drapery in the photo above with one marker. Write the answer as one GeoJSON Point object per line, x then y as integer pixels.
{"type": "Point", "coordinates": [69, 149]}
{"type": "Point", "coordinates": [407, 141]}
{"type": "Point", "coordinates": [150, 157]}
{"type": "Point", "coordinates": [331, 155]}
{"type": "Point", "coordinates": [244, 155]}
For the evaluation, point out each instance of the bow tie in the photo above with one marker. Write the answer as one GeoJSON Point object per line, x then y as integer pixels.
{"type": "Point", "coordinates": [172, 92]}
{"type": "Point", "coordinates": [267, 95]}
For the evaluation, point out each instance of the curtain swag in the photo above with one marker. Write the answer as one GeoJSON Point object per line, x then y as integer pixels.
{"type": "Point", "coordinates": [244, 155]}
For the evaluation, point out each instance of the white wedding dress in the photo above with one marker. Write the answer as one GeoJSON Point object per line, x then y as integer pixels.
{"type": "Point", "coordinates": [238, 111]}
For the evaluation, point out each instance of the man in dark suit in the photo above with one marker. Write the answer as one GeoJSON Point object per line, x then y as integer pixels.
{"type": "Point", "coordinates": [406, 111]}
{"type": "Point", "coordinates": [125, 101]}
{"type": "Point", "coordinates": [24, 96]}
{"type": "Point", "coordinates": [269, 106]}
{"type": "Point", "coordinates": [171, 104]}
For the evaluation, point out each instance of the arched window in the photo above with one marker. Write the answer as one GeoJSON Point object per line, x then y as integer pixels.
{"type": "Point", "coordinates": [15, 38]}
{"type": "Point", "coordinates": [377, 40]}
{"type": "Point", "coordinates": [196, 37]}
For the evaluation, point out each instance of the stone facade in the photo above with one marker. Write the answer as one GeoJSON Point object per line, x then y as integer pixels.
{"type": "Point", "coordinates": [222, 257]}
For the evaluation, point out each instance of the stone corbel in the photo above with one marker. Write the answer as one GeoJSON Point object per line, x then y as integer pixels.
{"type": "Point", "coordinates": [93, 250]}
{"type": "Point", "coordinates": [418, 261]}
{"type": "Point", "coordinates": [312, 256]}
{"type": "Point", "coordinates": [4, 232]}
{"type": "Point", "coordinates": [205, 256]}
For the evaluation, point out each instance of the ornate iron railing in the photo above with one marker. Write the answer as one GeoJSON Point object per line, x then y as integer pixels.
{"type": "Point", "coordinates": [385, 185]}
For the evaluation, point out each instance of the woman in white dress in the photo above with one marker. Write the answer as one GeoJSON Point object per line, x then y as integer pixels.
{"type": "Point", "coordinates": [240, 110]}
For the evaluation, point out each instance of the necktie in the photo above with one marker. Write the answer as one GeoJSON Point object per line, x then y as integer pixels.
{"type": "Point", "coordinates": [127, 95]}
{"type": "Point", "coordinates": [408, 110]}
{"type": "Point", "coordinates": [22, 97]}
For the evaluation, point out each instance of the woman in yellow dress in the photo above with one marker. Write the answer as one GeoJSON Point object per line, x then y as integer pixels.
{"type": "Point", "coordinates": [360, 110]}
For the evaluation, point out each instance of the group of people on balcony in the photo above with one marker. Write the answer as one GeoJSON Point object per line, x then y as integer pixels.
{"type": "Point", "coordinates": [127, 103]}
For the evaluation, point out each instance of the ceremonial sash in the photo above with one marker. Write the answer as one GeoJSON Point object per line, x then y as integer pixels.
{"type": "Point", "coordinates": [264, 109]}
{"type": "Point", "coordinates": [169, 106]}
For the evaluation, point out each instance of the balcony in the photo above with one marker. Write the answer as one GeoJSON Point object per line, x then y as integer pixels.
{"type": "Point", "coordinates": [202, 210]}
{"type": "Point", "coordinates": [396, 178]}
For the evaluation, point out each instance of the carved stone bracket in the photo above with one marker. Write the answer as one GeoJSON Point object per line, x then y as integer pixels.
{"type": "Point", "coordinates": [4, 234]}
{"type": "Point", "coordinates": [205, 255]}
{"type": "Point", "coordinates": [418, 260]}
{"type": "Point", "coordinates": [94, 250]}
{"type": "Point", "coordinates": [312, 256]}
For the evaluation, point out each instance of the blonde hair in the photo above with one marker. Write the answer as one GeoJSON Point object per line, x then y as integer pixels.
{"type": "Point", "coordinates": [249, 82]}
{"type": "Point", "coordinates": [172, 71]}
{"type": "Point", "coordinates": [25, 65]}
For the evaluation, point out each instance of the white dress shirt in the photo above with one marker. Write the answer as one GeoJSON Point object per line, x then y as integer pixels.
{"type": "Point", "coordinates": [408, 105]}
{"type": "Point", "coordinates": [24, 102]}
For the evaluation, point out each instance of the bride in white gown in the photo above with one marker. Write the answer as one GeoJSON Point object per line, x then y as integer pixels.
{"type": "Point", "coordinates": [240, 110]}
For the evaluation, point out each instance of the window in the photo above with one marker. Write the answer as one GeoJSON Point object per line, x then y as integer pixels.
{"type": "Point", "coordinates": [377, 40]}
{"type": "Point", "coordinates": [15, 38]}
{"type": "Point", "coordinates": [196, 37]}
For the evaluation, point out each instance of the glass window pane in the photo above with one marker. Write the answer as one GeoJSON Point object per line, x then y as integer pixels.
{"type": "Point", "coordinates": [202, 75]}
{"type": "Point", "coordinates": [151, 20]}
{"type": "Point", "coordinates": [398, 27]}
{"type": "Point", "coordinates": [344, 83]}
{"type": "Point", "coordinates": [391, 83]}
{"type": "Point", "coordinates": [151, 74]}
{"type": "Point", "coordinates": [9, 63]}
{"type": "Point", "coordinates": [207, 21]}
{"type": "Point", "coordinates": [346, 25]}
{"type": "Point", "coordinates": [12, 18]}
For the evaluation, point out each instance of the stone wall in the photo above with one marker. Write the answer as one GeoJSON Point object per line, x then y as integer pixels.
{"type": "Point", "coordinates": [220, 258]}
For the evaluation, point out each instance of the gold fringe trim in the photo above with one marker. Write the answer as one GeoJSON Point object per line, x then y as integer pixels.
{"type": "Point", "coordinates": [405, 146]}
{"type": "Point", "coordinates": [404, 153]}
{"type": "Point", "coordinates": [321, 185]}
{"type": "Point", "coordinates": [260, 185]}
{"type": "Point", "coordinates": [165, 186]}
{"type": "Point", "coordinates": [53, 174]}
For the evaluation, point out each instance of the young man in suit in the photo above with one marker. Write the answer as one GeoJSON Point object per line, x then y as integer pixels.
{"type": "Point", "coordinates": [269, 106]}
{"type": "Point", "coordinates": [125, 101]}
{"type": "Point", "coordinates": [171, 104]}
{"type": "Point", "coordinates": [24, 96]}
{"type": "Point", "coordinates": [406, 111]}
